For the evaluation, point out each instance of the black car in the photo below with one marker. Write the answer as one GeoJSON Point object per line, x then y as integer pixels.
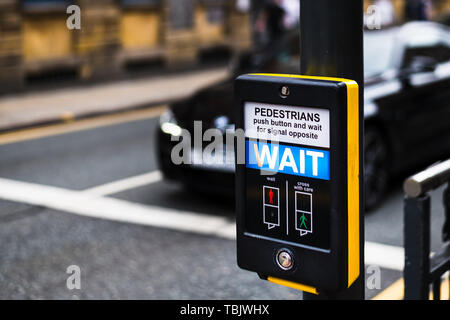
{"type": "Point", "coordinates": [407, 107]}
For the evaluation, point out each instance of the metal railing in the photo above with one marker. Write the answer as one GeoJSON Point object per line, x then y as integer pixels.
{"type": "Point", "coordinates": [420, 269]}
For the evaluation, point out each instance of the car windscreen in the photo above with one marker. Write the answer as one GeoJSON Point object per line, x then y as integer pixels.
{"type": "Point", "coordinates": [378, 51]}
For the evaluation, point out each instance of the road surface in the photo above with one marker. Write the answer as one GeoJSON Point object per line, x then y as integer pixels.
{"type": "Point", "coordinates": [89, 194]}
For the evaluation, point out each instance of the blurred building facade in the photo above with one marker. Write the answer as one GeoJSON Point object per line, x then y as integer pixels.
{"type": "Point", "coordinates": [34, 37]}
{"type": "Point", "coordinates": [115, 34]}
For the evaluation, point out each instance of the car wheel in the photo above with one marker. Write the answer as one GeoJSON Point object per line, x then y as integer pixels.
{"type": "Point", "coordinates": [376, 167]}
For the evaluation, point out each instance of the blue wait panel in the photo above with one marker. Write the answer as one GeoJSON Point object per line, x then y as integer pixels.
{"type": "Point", "coordinates": [286, 159]}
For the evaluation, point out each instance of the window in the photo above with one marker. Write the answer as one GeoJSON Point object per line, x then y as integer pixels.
{"type": "Point", "coordinates": [431, 42]}
{"type": "Point", "coordinates": [46, 5]}
{"type": "Point", "coordinates": [138, 3]}
{"type": "Point", "coordinates": [181, 14]}
{"type": "Point", "coordinates": [215, 10]}
{"type": "Point", "coordinates": [215, 15]}
{"type": "Point", "coordinates": [440, 53]}
{"type": "Point", "coordinates": [46, 2]}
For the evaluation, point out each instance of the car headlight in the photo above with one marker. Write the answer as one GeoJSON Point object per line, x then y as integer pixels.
{"type": "Point", "coordinates": [168, 124]}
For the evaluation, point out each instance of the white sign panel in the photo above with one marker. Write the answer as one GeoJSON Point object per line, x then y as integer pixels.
{"type": "Point", "coordinates": [297, 125]}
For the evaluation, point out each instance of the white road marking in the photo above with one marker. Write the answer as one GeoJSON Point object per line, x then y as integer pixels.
{"type": "Point", "coordinates": [85, 204]}
{"type": "Point", "coordinates": [92, 205]}
{"type": "Point", "coordinates": [386, 256]}
{"type": "Point", "coordinates": [125, 184]}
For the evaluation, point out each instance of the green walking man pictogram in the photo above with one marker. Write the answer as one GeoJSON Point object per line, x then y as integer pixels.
{"type": "Point", "coordinates": [303, 221]}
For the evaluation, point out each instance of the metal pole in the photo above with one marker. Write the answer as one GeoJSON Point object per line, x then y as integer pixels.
{"type": "Point", "coordinates": [417, 247]}
{"type": "Point", "coordinates": [332, 45]}
{"type": "Point", "coordinates": [427, 180]}
{"type": "Point", "coordinates": [446, 227]}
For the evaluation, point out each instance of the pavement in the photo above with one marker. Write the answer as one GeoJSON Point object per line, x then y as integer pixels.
{"type": "Point", "coordinates": [91, 197]}
{"type": "Point", "coordinates": [31, 109]}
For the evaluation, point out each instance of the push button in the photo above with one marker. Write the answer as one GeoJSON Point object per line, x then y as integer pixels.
{"type": "Point", "coordinates": [284, 260]}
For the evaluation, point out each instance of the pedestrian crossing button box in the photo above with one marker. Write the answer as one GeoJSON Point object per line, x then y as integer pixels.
{"type": "Point", "coordinates": [297, 194]}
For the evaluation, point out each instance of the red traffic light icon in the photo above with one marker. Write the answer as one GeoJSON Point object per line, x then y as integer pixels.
{"type": "Point", "coordinates": [271, 196]}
